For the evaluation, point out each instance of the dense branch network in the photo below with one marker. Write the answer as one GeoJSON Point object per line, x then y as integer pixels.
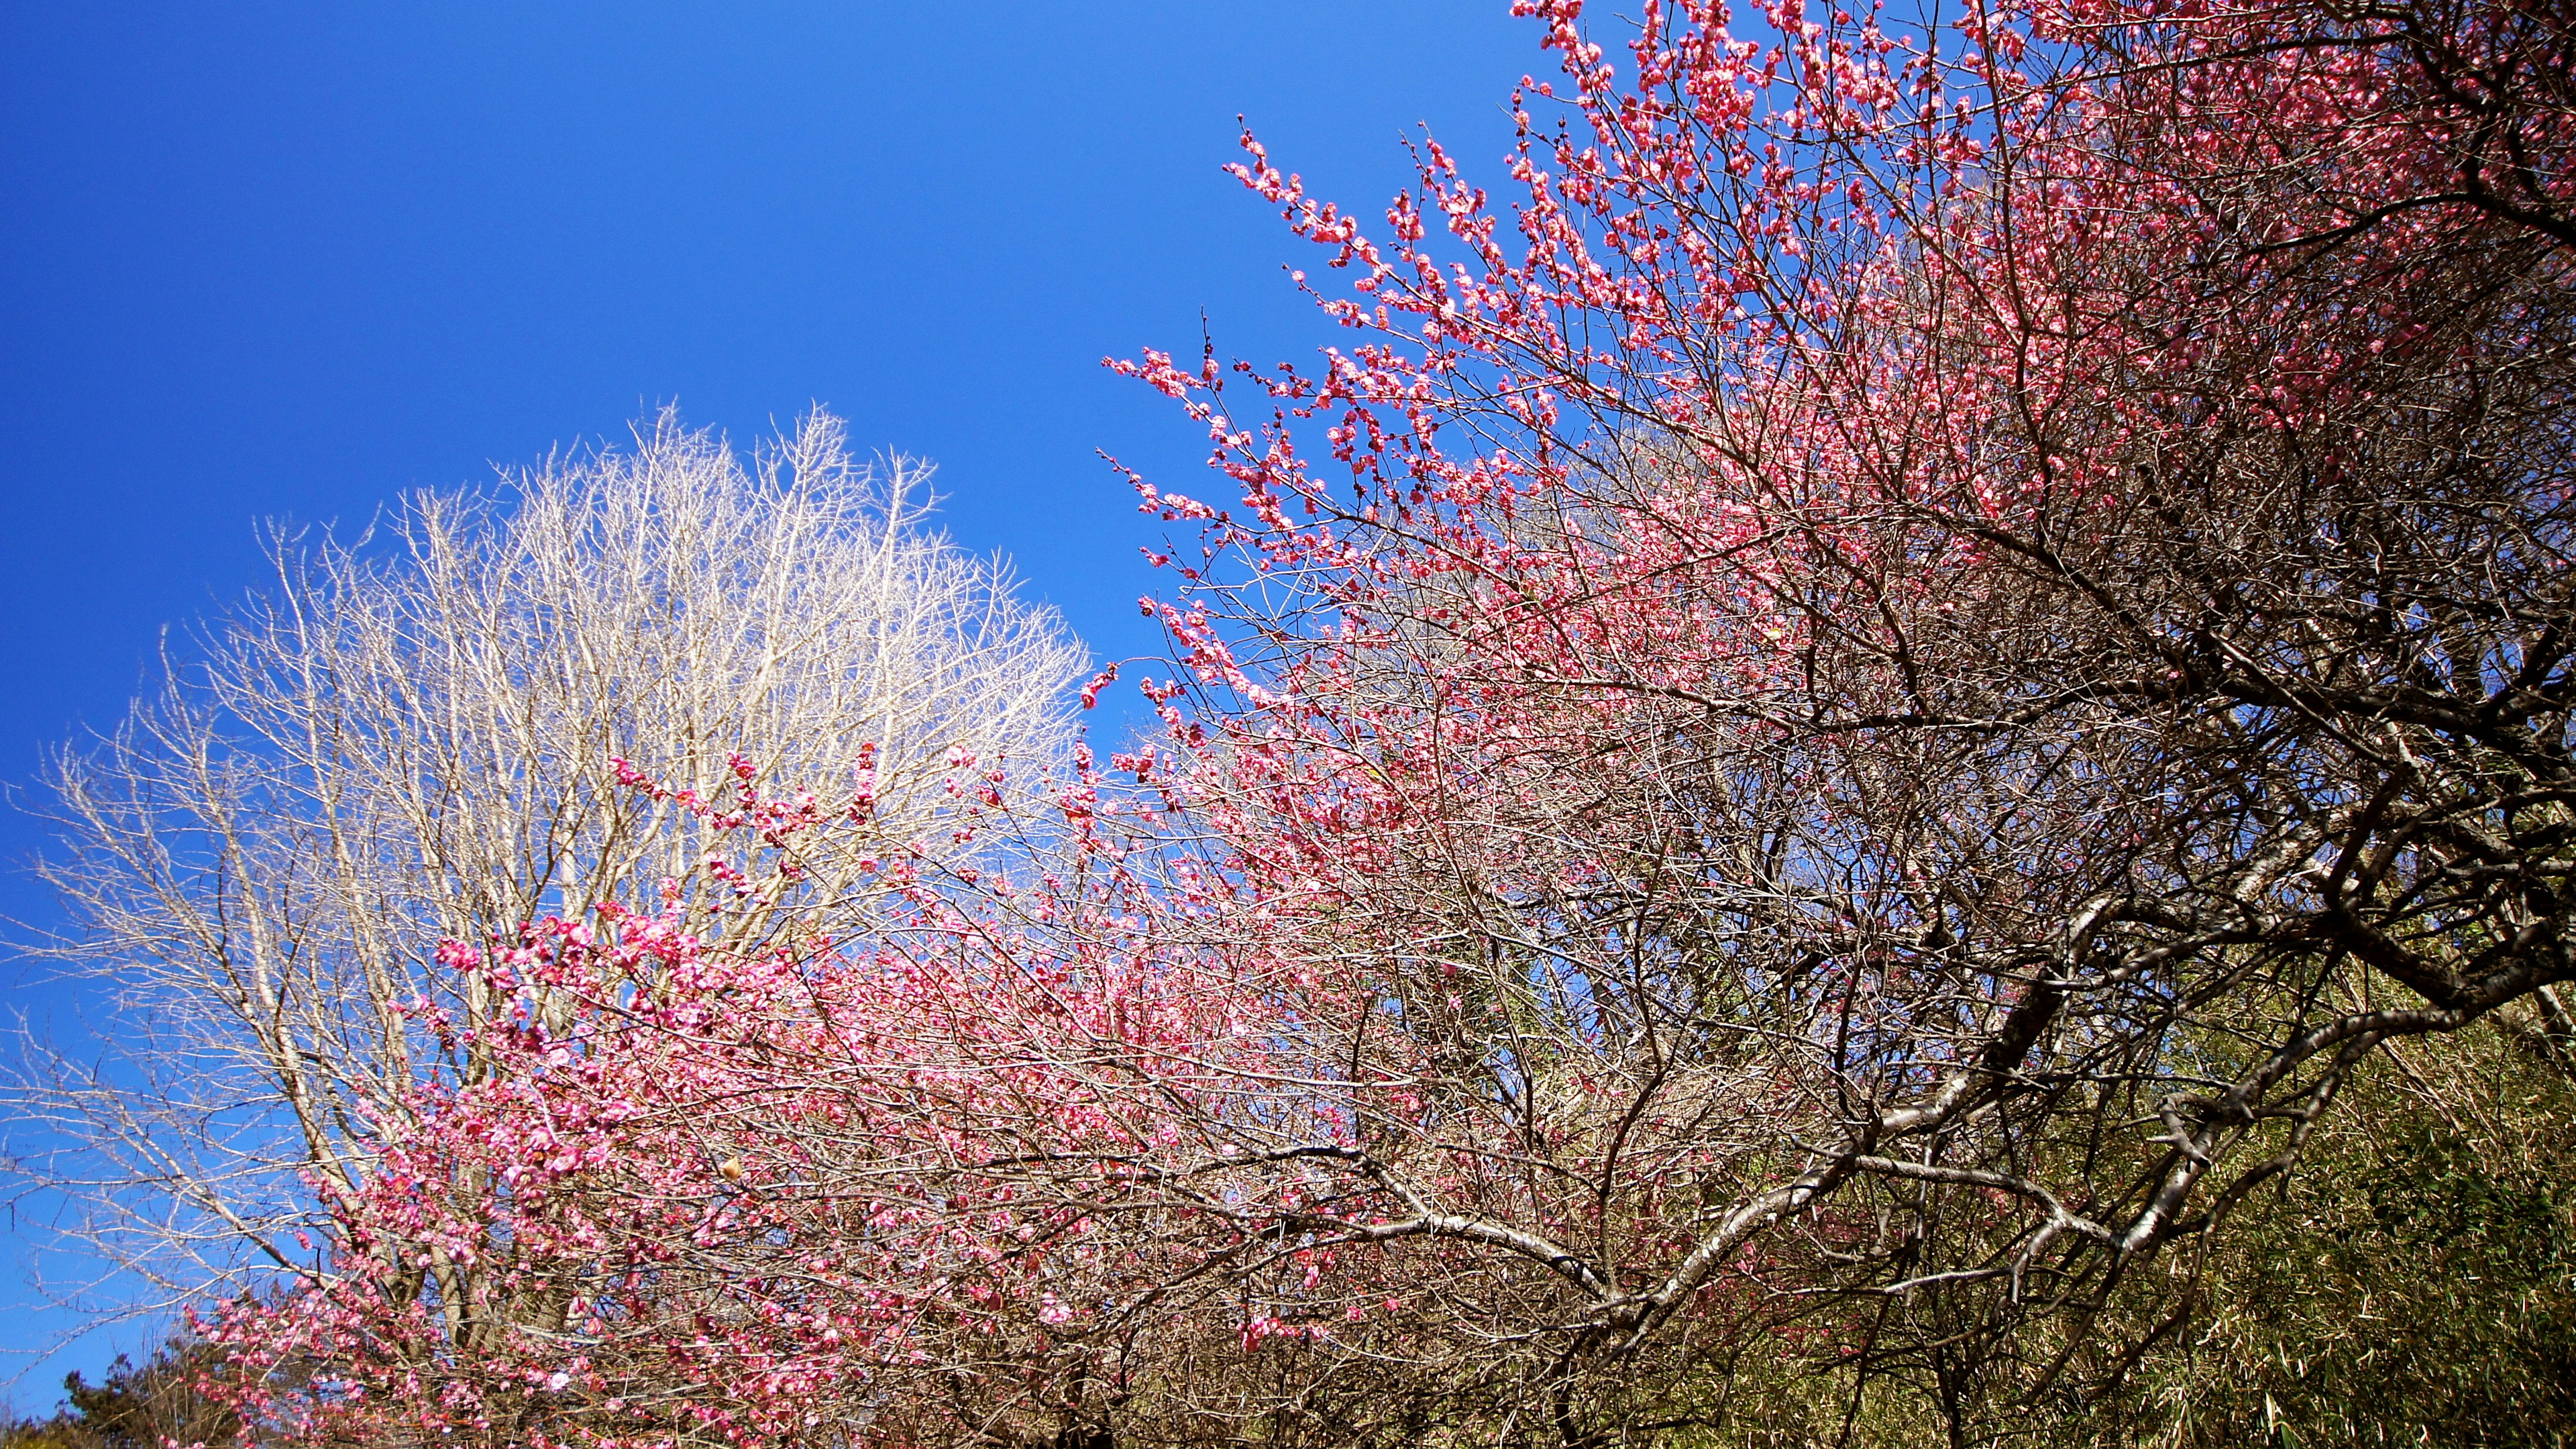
{"type": "Point", "coordinates": [1874, 700]}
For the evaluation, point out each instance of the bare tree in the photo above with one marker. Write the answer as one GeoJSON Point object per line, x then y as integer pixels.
{"type": "Point", "coordinates": [1828, 819]}
{"type": "Point", "coordinates": [414, 738]}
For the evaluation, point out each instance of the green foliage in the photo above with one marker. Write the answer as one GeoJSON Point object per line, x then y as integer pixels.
{"type": "Point", "coordinates": [58, 1432]}
{"type": "Point", "coordinates": [2413, 1283]}
{"type": "Point", "coordinates": [134, 1408]}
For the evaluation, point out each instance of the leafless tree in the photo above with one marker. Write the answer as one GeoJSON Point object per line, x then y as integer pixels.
{"type": "Point", "coordinates": [409, 738]}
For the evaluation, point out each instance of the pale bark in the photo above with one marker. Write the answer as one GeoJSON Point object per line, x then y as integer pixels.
{"type": "Point", "coordinates": [408, 738]}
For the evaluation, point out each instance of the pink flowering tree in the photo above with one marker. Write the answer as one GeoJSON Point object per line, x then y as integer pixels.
{"type": "Point", "coordinates": [1820, 741]}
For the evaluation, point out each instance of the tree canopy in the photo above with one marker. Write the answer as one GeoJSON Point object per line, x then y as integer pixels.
{"type": "Point", "coordinates": [1798, 787]}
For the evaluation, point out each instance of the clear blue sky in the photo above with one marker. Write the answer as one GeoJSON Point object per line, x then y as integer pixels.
{"type": "Point", "coordinates": [261, 259]}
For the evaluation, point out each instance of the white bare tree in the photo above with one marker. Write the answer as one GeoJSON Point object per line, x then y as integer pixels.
{"type": "Point", "coordinates": [410, 738]}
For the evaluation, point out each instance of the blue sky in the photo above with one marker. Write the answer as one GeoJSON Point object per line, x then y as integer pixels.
{"type": "Point", "coordinates": [275, 260]}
